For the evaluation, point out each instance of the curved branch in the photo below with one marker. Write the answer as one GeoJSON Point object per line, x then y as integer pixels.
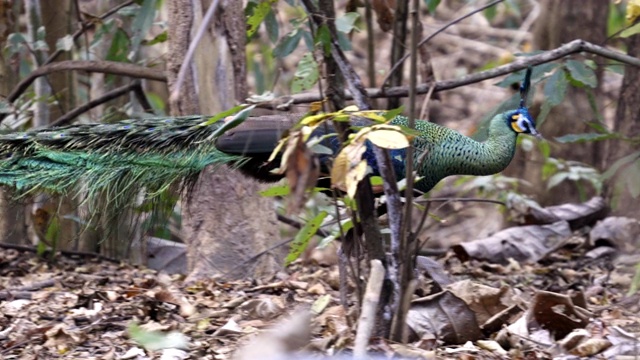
{"type": "Point", "coordinates": [108, 67]}
{"type": "Point", "coordinates": [567, 49]}
{"type": "Point", "coordinates": [115, 93]}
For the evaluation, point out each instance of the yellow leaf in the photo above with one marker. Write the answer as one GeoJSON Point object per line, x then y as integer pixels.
{"type": "Point", "coordinates": [388, 139]}
{"type": "Point", "coordinates": [361, 135]}
{"type": "Point", "coordinates": [316, 106]}
{"type": "Point", "coordinates": [354, 176]}
{"type": "Point", "coordinates": [349, 158]}
{"type": "Point", "coordinates": [350, 108]}
{"type": "Point", "coordinates": [312, 120]}
{"type": "Point", "coordinates": [340, 169]}
{"type": "Point", "coordinates": [375, 117]}
{"type": "Point", "coordinates": [633, 11]}
{"type": "Point", "coordinates": [277, 149]}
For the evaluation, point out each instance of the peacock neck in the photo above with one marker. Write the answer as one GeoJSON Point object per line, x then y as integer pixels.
{"type": "Point", "coordinates": [500, 146]}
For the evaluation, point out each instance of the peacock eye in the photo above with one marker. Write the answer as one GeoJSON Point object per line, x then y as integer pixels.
{"type": "Point", "coordinates": [524, 124]}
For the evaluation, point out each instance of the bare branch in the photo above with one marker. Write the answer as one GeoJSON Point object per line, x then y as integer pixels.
{"type": "Point", "coordinates": [567, 49]}
{"type": "Point", "coordinates": [115, 93]}
{"type": "Point", "coordinates": [108, 67]}
{"type": "Point", "coordinates": [370, 302]}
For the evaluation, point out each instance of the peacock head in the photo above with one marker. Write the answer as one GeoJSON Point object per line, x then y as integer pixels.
{"type": "Point", "coordinates": [521, 122]}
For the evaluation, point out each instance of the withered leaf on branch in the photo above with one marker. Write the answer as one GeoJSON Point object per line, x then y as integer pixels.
{"type": "Point", "coordinates": [302, 170]}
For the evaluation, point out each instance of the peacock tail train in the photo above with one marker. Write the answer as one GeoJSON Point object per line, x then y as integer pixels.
{"type": "Point", "coordinates": [122, 162]}
{"type": "Point", "coordinates": [113, 161]}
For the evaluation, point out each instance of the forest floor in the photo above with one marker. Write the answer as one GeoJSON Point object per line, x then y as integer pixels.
{"type": "Point", "coordinates": [574, 302]}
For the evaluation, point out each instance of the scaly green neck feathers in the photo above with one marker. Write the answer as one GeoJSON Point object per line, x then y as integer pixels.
{"type": "Point", "coordinates": [451, 153]}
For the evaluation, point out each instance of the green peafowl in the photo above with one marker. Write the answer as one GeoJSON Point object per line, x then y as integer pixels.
{"type": "Point", "coordinates": [118, 161]}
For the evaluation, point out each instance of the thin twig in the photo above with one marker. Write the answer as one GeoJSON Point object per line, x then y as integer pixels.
{"type": "Point", "coordinates": [115, 93]}
{"type": "Point", "coordinates": [108, 67]}
{"type": "Point", "coordinates": [298, 225]}
{"type": "Point", "coordinates": [138, 91]}
{"type": "Point", "coordinates": [460, 200]}
{"type": "Point", "coordinates": [186, 64]}
{"type": "Point", "coordinates": [443, 28]}
{"type": "Point", "coordinates": [370, 301]}
{"type": "Point", "coordinates": [567, 49]}
{"type": "Point", "coordinates": [400, 253]}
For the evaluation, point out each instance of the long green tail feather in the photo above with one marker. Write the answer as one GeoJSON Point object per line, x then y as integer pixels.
{"type": "Point", "coordinates": [112, 163]}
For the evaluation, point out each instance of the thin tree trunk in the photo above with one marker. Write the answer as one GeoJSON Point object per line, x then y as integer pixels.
{"type": "Point", "coordinates": [627, 122]}
{"type": "Point", "coordinates": [13, 228]}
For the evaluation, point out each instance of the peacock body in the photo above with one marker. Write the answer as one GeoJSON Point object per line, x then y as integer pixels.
{"type": "Point", "coordinates": [441, 152]}
{"type": "Point", "coordinates": [118, 161]}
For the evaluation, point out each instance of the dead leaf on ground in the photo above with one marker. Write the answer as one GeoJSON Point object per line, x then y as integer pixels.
{"type": "Point", "coordinates": [444, 315]}
{"type": "Point", "coordinates": [557, 314]}
{"type": "Point", "coordinates": [577, 215]}
{"type": "Point", "coordinates": [619, 232]}
{"type": "Point", "coordinates": [524, 244]}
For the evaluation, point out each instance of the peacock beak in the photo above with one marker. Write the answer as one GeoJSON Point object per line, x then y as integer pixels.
{"type": "Point", "coordinates": [535, 133]}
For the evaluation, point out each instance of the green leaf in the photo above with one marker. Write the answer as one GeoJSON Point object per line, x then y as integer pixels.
{"type": "Point", "coordinates": [544, 148]}
{"type": "Point", "coordinates": [41, 33]}
{"type": "Point", "coordinates": [254, 20]}
{"type": "Point", "coordinates": [581, 73]}
{"type": "Point", "coordinates": [537, 73]}
{"type": "Point", "coordinates": [221, 115]}
{"type": "Point", "coordinates": [432, 5]}
{"type": "Point", "coordinates": [273, 28]}
{"type": "Point", "coordinates": [287, 44]}
{"type": "Point", "coordinates": [632, 176]}
{"type": "Point", "coordinates": [308, 40]}
{"type": "Point", "coordinates": [65, 43]}
{"type": "Point", "coordinates": [301, 241]}
{"type": "Point", "coordinates": [376, 181]}
{"type": "Point", "coordinates": [556, 87]}
{"type": "Point", "coordinates": [344, 42]}
{"type": "Point", "coordinates": [579, 138]}
{"type": "Point", "coordinates": [557, 179]}
{"type": "Point", "coordinates": [236, 120]}
{"type": "Point", "coordinates": [630, 31]}
{"type": "Point", "coordinates": [306, 75]}
{"type": "Point", "coordinates": [613, 169]}
{"type": "Point", "coordinates": [157, 340]}
{"type": "Point", "coordinates": [140, 26]}
{"type": "Point", "coordinates": [278, 190]}
{"type": "Point", "coordinates": [347, 22]}
{"type": "Point", "coordinates": [544, 112]}
{"type": "Point", "coordinates": [391, 114]}
{"type": "Point", "coordinates": [548, 169]}
{"type": "Point", "coordinates": [323, 37]}
{"type": "Point", "coordinates": [160, 38]}
{"type": "Point", "coordinates": [490, 13]}
{"type": "Point", "coordinates": [119, 47]}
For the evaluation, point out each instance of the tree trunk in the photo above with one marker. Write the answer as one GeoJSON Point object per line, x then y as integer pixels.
{"type": "Point", "coordinates": [56, 18]}
{"type": "Point", "coordinates": [627, 123]}
{"type": "Point", "coordinates": [225, 222]}
{"type": "Point", "coordinates": [561, 22]}
{"type": "Point", "coordinates": [13, 228]}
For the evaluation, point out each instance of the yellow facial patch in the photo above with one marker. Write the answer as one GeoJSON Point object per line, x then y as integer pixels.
{"type": "Point", "coordinates": [514, 124]}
